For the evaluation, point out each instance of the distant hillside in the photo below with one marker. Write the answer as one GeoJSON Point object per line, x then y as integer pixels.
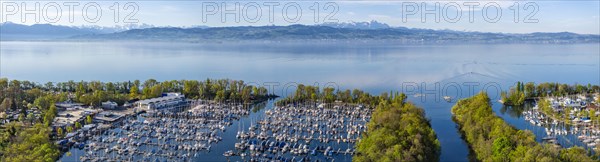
{"type": "Point", "coordinates": [13, 31]}
{"type": "Point", "coordinates": [10, 30]}
{"type": "Point", "coordinates": [319, 32]}
{"type": "Point", "coordinates": [352, 31]}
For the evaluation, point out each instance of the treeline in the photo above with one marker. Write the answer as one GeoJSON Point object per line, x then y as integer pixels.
{"type": "Point", "coordinates": [17, 94]}
{"type": "Point", "coordinates": [398, 131]}
{"type": "Point", "coordinates": [491, 139]}
{"type": "Point", "coordinates": [305, 93]}
{"type": "Point", "coordinates": [517, 95]}
{"type": "Point", "coordinates": [25, 95]}
{"type": "Point", "coordinates": [557, 89]}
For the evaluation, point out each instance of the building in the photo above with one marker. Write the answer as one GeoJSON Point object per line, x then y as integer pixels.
{"type": "Point", "coordinates": [107, 117]}
{"type": "Point", "coordinates": [168, 101]}
{"type": "Point", "coordinates": [69, 117]}
{"type": "Point", "coordinates": [68, 105]}
{"type": "Point", "coordinates": [109, 105]}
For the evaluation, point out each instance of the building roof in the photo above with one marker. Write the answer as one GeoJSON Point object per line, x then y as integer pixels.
{"type": "Point", "coordinates": [161, 99]}
{"type": "Point", "coordinates": [109, 102]}
{"type": "Point", "coordinates": [68, 104]}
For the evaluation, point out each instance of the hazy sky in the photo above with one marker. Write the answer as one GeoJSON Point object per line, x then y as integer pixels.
{"type": "Point", "coordinates": [580, 16]}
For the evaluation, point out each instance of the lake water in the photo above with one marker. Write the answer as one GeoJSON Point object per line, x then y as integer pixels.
{"type": "Point", "coordinates": [459, 70]}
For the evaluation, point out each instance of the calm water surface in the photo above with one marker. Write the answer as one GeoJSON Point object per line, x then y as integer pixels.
{"type": "Point", "coordinates": [460, 70]}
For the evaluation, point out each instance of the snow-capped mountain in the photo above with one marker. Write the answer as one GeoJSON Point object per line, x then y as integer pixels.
{"type": "Point", "coordinates": [358, 25]}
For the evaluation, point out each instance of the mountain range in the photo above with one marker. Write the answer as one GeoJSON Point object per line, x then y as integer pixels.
{"type": "Point", "coordinates": [361, 31]}
{"type": "Point", "coordinates": [10, 30]}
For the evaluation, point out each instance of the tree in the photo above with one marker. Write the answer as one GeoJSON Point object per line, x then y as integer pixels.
{"type": "Point", "coordinates": [501, 148]}
{"type": "Point", "coordinates": [156, 91]}
{"type": "Point", "coordinates": [49, 86]}
{"type": "Point", "coordinates": [328, 96]}
{"type": "Point", "coordinates": [300, 92]}
{"type": "Point", "coordinates": [98, 97]}
{"type": "Point", "coordinates": [134, 92]}
{"type": "Point", "coordinates": [88, 119]}
{"type": "Point", "coordinates": [220, 95]}
{"type": "Point", "coordinates": [6, 104]}
{"type": "Point", "coordinates": [80, 91]}
{"type": "Point", "coordinates": [246, 94]}
{"type": "Point", "coordinates": [190, 88]}
{"type": "Point", "coordinates": [530, 89]}
{"type": "Point", "coordinates": [59, 131]}
{"type": "Point", "coordinates": [50, 114]}
{"type": "Point", "coordinates": [69, 129]}
{"type": "Point", "coordinates": [30, 117]}
{"type": "Point", "coordinates": [22, 117]}
{"type": "Point", "coordinates": [3, 83]}
{"type": "Point", "coordinates": [77, 125]}
{"type": "Point", "coordinates": [567, 118]}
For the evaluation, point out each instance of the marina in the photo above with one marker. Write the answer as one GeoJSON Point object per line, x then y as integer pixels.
{"type": "Point", "coordinates": [218, 131]}
{"type": "Point", "coordinates": [301, 132]}
{"type": "Point", "coordinates": [164, 135]}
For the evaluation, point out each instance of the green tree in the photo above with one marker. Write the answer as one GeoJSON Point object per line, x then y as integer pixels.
{"type": "Point", "coordinates": [59, 131]}
{"type": "Point", "coordinates": [328, 95]}
{"type": "Point", "coordinates": [246, 94]}
{"type": "Point", "coordinates": [134, 92]}
{"type": "Point", "coordinates": [6, 104]}
{"type": "Point", "coordinates": [30, 117]}
{"type": "Point", "coordinates": [156, 91]}
{"type": "Point", "coordinates": [22, 117]}
{"type": "Point", "coordinates": [530, 89]}
{"type": "Point", "coordinates": [50, 115]}
{"type": "Point", "coordinates": [220, 95]}
{"type": "Point", "coordinates": [88, 119]}
{"type": "Point", "coordinates": [191, 88]}
{"type": "Point", "coordinates": [501, 149]}
{"type": "Point", "coordinates": [77, 125]}
{"type": "Point", "coordinates": [49, 86]}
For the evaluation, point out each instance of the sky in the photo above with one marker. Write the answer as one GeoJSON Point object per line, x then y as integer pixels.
{"type": "Point", "coordinates": [579, 16]}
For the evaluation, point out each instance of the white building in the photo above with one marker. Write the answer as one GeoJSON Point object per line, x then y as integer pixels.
{"type": "Point", "coordinates": [166, 102]}
{"type": "Point", "coordinates": [109, 105]}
